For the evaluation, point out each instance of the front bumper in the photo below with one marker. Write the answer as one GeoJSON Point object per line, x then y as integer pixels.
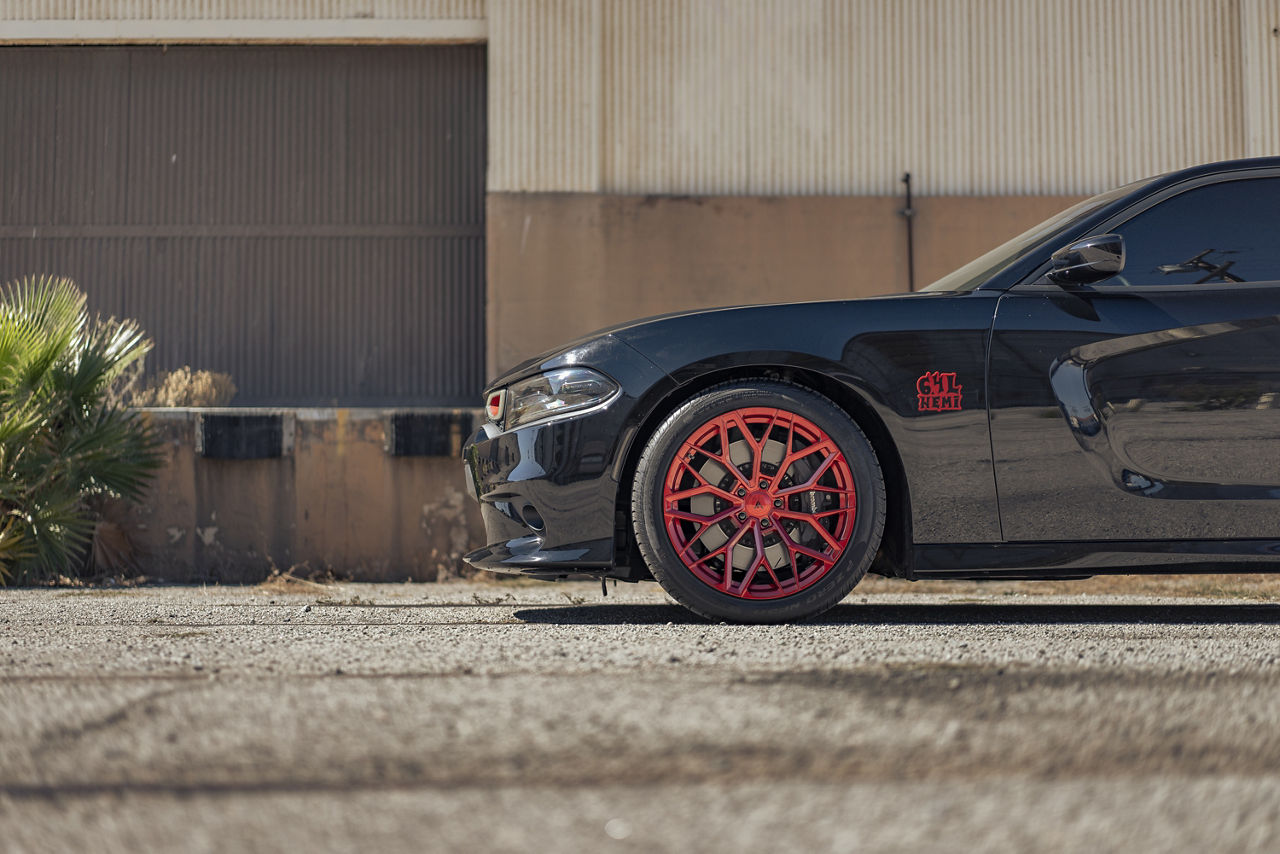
{"type": "Point", "coordinates": [546, 496]}
{"type": "Point", "coordinates": [548, 491]}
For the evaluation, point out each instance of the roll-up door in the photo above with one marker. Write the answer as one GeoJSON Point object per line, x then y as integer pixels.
{"type": "Point", "coordinates": [307, 219]}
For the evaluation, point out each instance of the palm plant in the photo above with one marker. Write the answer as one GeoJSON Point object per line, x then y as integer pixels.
{"type": "Point", "coordinates": [63, 446]}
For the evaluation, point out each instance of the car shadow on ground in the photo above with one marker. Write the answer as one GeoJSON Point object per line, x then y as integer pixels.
{"type": "Point", "coordinates": [951, 613]}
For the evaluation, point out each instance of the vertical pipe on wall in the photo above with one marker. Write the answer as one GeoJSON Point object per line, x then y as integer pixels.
{"type": "Point", "coordinates": [908, 213]}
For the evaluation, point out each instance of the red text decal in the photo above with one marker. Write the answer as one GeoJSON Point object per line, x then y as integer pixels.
{"type": "Point", "coordinates": [938, 392]}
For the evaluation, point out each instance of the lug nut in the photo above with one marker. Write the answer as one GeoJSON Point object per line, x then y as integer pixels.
{"type": "Point", "coordinates": [764, 523]}
{"type": "Point", "coordinates": [742, 490]}
{"type": "Point", "coordinates": [742, 516]}
{"type": "Point", "coordinates": [777, 502]}
{"type": "Point", "coordinates": [764, 484]}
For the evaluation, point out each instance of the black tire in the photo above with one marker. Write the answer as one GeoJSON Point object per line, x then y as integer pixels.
{"type": "Point", "coordinates": [839, 575]}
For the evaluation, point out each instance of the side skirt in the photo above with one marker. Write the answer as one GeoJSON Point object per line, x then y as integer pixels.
{"type": "Point", "coordinates": [1011, 561]}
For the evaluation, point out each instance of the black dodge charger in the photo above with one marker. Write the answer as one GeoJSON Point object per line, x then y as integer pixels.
{"type": "Point", "coordinates": [1098, 395]}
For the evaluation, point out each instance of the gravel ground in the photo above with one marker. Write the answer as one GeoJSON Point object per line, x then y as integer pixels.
{"type": "Point", "coordinates": [484, 716]}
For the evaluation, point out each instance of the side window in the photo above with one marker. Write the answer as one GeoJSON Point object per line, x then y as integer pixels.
{"type": "Point", "coordinates": [1226, 232]}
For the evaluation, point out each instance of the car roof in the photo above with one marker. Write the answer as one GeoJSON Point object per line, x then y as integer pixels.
{"type": "Point", "coordinates": [1215, 168]}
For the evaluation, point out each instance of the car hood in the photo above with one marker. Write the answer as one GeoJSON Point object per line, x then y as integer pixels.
{"type": "Point", "coordinates": [663, 339]}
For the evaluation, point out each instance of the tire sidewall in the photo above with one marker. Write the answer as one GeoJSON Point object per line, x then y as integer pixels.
{"type": "Point", "coordinates": [648, 499]}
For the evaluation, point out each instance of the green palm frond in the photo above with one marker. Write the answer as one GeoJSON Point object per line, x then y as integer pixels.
{"type": "Point", "coordinates": [114, 453]}
{"type": "Point", "coordinates": [100, 351]}
{"type": "Point", "coordinates": [18, 423]}
{"type": "Point", "coordinates": [14, 547]}
{"type": "Point", "coordinates": [18, 338]}
{"type": "Point", "coordinates": [58, 532]}
{"type": "Point", "coordinates": [53, 304]}
{"type": "Point", "coordinates": [47, 314]}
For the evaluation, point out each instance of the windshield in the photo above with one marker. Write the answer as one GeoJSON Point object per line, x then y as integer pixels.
{"type": "Point", "coordinates": [982, 268]}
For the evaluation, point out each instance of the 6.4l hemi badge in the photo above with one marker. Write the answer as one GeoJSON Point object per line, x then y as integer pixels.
{"type": "Point", "coordinates": [938, 392]}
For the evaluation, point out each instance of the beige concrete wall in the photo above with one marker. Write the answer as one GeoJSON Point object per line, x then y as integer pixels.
{"type": "Point", "coordinates": [563, 264]}
{"type": "Point", "coordinates": [338, 501]}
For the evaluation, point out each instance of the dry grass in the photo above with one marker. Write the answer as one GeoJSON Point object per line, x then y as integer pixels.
{"type": "Point", "coordinates": [183, 387]}
{"type": "Point", "coordinates": [298, 579]}
{"type": "Point", "coordinates": [349, 602]}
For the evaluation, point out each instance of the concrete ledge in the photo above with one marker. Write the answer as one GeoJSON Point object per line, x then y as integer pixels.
{"type": "Point", "coordinates": [245, 31]}
{"type": "Point", "coordinates": [337, 501]}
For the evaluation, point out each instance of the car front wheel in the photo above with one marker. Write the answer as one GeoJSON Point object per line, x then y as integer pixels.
{"type": "Point", "coordinates": [758, 502]}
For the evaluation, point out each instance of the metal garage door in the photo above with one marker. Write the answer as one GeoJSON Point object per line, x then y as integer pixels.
{"type": "Point", "coordinates": [309, 220]}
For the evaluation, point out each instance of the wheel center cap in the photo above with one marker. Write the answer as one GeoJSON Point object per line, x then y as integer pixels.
{"type": "Point", "coordinates": [758, 504]}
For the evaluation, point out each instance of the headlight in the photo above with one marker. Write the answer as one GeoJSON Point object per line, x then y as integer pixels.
{"type": "Point", "coordinates": [561, 390]}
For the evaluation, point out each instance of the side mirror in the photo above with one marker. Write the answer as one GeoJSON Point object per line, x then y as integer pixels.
{"type": "Point", "coordinates": [1089, 260]}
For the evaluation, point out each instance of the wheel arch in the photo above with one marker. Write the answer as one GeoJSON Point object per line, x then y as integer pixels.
{"type": "Point", "coordinates": [893, 558]}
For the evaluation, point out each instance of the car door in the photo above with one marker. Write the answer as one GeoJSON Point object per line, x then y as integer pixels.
{"type": "Point", "coordinates": [1147, 406]}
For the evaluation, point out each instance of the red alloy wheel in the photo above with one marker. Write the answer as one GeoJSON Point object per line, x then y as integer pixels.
{"type": "Point", "coordinates": [759, 503]}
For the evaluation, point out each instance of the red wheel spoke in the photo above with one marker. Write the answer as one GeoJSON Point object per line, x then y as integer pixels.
{"type": "Point", "coordinates": [796, 490]}
{"type": "Point", "coordinates": [825, 534]}
{"type": "Point", "coordinates": [768, 431]}
{"type": "Point", "coordinates": [698, 517]}
{"type": "Point", "coordinates": [708, 556]}
{"type": "Point", "coordinates": [723, 461]}
{"type": "Point", "coordinates": [762, 560]}
{"type": "Point", "coordinates": [682, 462]}
{"type": "Point", "coordinates": [795, 563]}
{"type": "Point", "coordinates": [757, 447]}
{"type": "Point", "coordinates": [804, 550]}
{"type": "Point", "coordinates": [733, 420]}
{"type": "Point", "coordinates": [808, 552]}
{"type": "Point", "coordinates": [722, 430]}
{"type": "Point", "coordinates": [825, 445]}
{"type": "Point", "coordinates": [724, 549]}
{"type": "Point", "coordinates": [811, 520]}
{"type": "Point", "coordinates": [707, 523]}
{"type": "Point", "coordinates": [821, 513]}
{"type": "Point", "coordinates": [810, 450]}
{"type": "Point", "coordinates": [804, 517]}
{"type": "Point", "coordinates": [728, 556]}
{"type": "Point", "coordinates": [704, 489]}
{"type": "Point", "coordinates": [754, 567]}
{"type": "Point", "coordinates": [769, 568]}
{"type": "Point", "coordinates": [822, 469]}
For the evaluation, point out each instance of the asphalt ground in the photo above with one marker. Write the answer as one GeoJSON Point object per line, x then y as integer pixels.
{"type": "Point", "coordinates": [483, 716]}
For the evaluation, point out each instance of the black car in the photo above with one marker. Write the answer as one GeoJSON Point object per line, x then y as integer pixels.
{"type": "Point", "coordinates": [1098, 395]}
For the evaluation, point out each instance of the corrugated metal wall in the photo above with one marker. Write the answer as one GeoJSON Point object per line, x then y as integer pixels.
{"type": "Point", "coordinates": [841, 96]}
{"type": "Point", "coordinates": [17, 10]}
{"type": "Point", "coordinates": [310, 220]}
{"type": "Point", "coordinates": [1260, 75]}
{"type": "Point", "coordinates": [545, 95]}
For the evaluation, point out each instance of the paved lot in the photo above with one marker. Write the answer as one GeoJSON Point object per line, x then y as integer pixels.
{"type": "Point", "coordinates": [532, 717]}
